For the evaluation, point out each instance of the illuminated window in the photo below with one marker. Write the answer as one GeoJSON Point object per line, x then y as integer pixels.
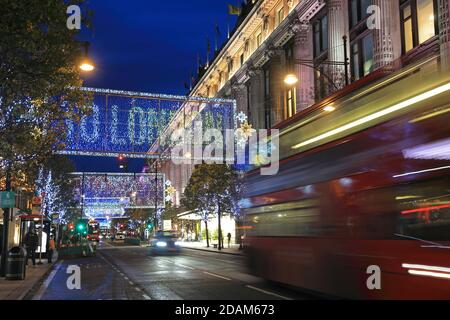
{"type": "Point", "coordinates": [419, 23]}
{"type": "Point", "coordinates": [408, 42]}
{"type": "Point", "coordinates": [291, 107]}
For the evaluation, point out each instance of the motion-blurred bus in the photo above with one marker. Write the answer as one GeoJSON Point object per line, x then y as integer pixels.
{"type": "Point", "coordinates": [361, 205]}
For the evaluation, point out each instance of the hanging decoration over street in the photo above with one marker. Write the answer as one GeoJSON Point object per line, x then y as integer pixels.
{"type": "Point", "coordinates": [103, 195]}
{"type": "Point", "coordinates": [129, 123]}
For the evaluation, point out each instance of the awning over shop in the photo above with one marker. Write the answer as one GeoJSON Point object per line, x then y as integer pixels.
{"type": "Point", "coordinates": [33, 217]}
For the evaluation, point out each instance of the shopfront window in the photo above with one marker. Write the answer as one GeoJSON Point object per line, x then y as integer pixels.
{"type": "Point", "coordinates": [419, 23]}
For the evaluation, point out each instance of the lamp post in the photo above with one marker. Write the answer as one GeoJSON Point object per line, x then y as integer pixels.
{"type": "Point", "coordinates": [291, 79]}
{"type": "Point", "coordinates": [86, 64]}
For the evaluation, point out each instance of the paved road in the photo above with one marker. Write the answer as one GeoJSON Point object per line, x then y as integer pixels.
{"type": "Point", "coordinates": [133, 273]}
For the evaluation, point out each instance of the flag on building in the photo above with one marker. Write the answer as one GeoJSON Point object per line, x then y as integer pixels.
{"type": "Point", "coordinates": [233, 10]}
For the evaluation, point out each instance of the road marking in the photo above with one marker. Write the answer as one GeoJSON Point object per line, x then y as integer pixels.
{"type": "Point", "coordinates": [268, 292]}
{"type": "Point", "coordinates": [184, 266]}
{"type": "Point", "coordinates": [131, 283]}
{"type": "Point", "coordinates": [216, 275]}
{"type": "Point", "coordinates": [146, 297]}
{"type": "Point", "coordinates": [47, 282]}
{"type": "Point", "coordinates": [137, 289]}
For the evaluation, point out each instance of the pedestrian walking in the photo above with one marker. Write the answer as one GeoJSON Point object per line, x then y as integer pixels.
{"type": "Point", "coordinates": [229, 239]}
{"type": "Point", "coordinates": [51, 249]}
{"type": "Point", "coordinates": [31, 244]}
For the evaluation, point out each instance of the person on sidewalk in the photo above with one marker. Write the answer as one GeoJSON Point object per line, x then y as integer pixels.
{"type": "Point", "coordinates": [31, 244]}
{"type": "Point", "coordinates": [51, 249]}
{"type": "Point", "coordinates": [229, 239]}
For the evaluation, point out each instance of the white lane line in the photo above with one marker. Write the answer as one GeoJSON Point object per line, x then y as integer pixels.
{"type": "Point", "coordinates": [137, 289]}
{"type": "Point", "coordinates": [184, 266]}
{"type": "Point", "coordinates": [146, 297]}
{"type": "Point", "coordinates": [131, 283]}
{"type": "Point", "coordinates": [268, 292]}
{"type": "Point", "coordinates": [216, 275]}
{"type": "Point", "coordinates": [47, 282]}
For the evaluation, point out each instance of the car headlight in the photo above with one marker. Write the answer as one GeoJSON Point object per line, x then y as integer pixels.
{"type": "Point", "coordinates": [161, 244]}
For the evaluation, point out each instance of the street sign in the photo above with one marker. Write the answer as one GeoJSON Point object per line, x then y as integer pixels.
{"type": "Point", "coordinates": [37, 201]}
{"type": "Point", "coordinates": [7, 199]}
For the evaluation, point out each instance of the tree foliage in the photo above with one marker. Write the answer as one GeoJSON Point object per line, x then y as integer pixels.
{"type": "Point", "coordinates": [59, 189]}
{"type": "Point", "coordinates": [39, 83]}
{"type": "Point", "coordinates": [213, 188]}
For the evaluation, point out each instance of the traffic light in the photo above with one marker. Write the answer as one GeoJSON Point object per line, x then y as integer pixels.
{"type": "Point", "coordinates": [122, 163]}
{"type": "Point", "coordinates": [149, 225]}
{"type": "Point", "coordinates": [81, 227]}
{"type": "Point", "coordinates": [71, 228]}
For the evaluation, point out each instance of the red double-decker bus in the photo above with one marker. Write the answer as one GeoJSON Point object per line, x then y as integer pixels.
{"type": "Point", "coordinates": [360, 207]}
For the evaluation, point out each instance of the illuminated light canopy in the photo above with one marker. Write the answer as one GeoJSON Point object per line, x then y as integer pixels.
{"type": "Point", "coordinates": [129, 123]}
{"type": "Point", "coordinates": [376, 115]}
{"type": "Point", "coordinates": [111, 194]}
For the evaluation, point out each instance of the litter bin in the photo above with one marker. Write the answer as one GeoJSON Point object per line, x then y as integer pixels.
{"type": "Point", "coordinates": [15, 264]}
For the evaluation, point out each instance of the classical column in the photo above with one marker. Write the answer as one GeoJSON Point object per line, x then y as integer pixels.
{"type": "Point", "coordinates": [383, 49]}
{"type": "Point", "coordinates": [444, 33]}
{"type": "Point", "coordinates": [239, 93]}
{"type": "Point", "coordinates": [256, 83]}
{"type": "Point", "coordinates": [304, 51]}
{"type": "Point", "coordinates": [336, 32]}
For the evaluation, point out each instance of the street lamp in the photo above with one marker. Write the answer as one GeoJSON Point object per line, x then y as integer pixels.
{"type": "Point", "coordinates": [291, 79]}
{"type": "Point", "coordinates": [86, 64]}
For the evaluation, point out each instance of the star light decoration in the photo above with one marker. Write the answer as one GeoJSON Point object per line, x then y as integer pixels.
{"type": "Point", "coordinates": [241, 117]}
{"type": "Point", "coordinates": [170, 190]}
{"type": "Point", "coordinates": [244, 133]}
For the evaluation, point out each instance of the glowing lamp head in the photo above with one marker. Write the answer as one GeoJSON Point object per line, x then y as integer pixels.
{"type": "Point", "coordinates": [87, 66]}
{"type": "Point", "coordinates": [291, 79]}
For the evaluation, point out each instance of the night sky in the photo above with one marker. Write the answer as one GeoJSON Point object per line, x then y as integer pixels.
{"type": "Point", "coordinates": [149, 46]}
{"type": "Point", "coordinates": [152, 46]}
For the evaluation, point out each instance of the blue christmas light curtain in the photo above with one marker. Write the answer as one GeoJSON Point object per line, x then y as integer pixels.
{"type": "Point", "coordinates": [129, 123]}
{"type": "Point", "coordinates": [104, 192]}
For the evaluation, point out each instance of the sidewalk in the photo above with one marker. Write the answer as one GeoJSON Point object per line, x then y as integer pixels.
{"type": "Point", "coordinates": [18, 289]}
{"type": "Point", "coordinates": [202, 246]}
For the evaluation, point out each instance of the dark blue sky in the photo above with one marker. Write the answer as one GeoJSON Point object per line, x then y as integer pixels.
{"type": "Point", "coordinates": [150, 46]}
